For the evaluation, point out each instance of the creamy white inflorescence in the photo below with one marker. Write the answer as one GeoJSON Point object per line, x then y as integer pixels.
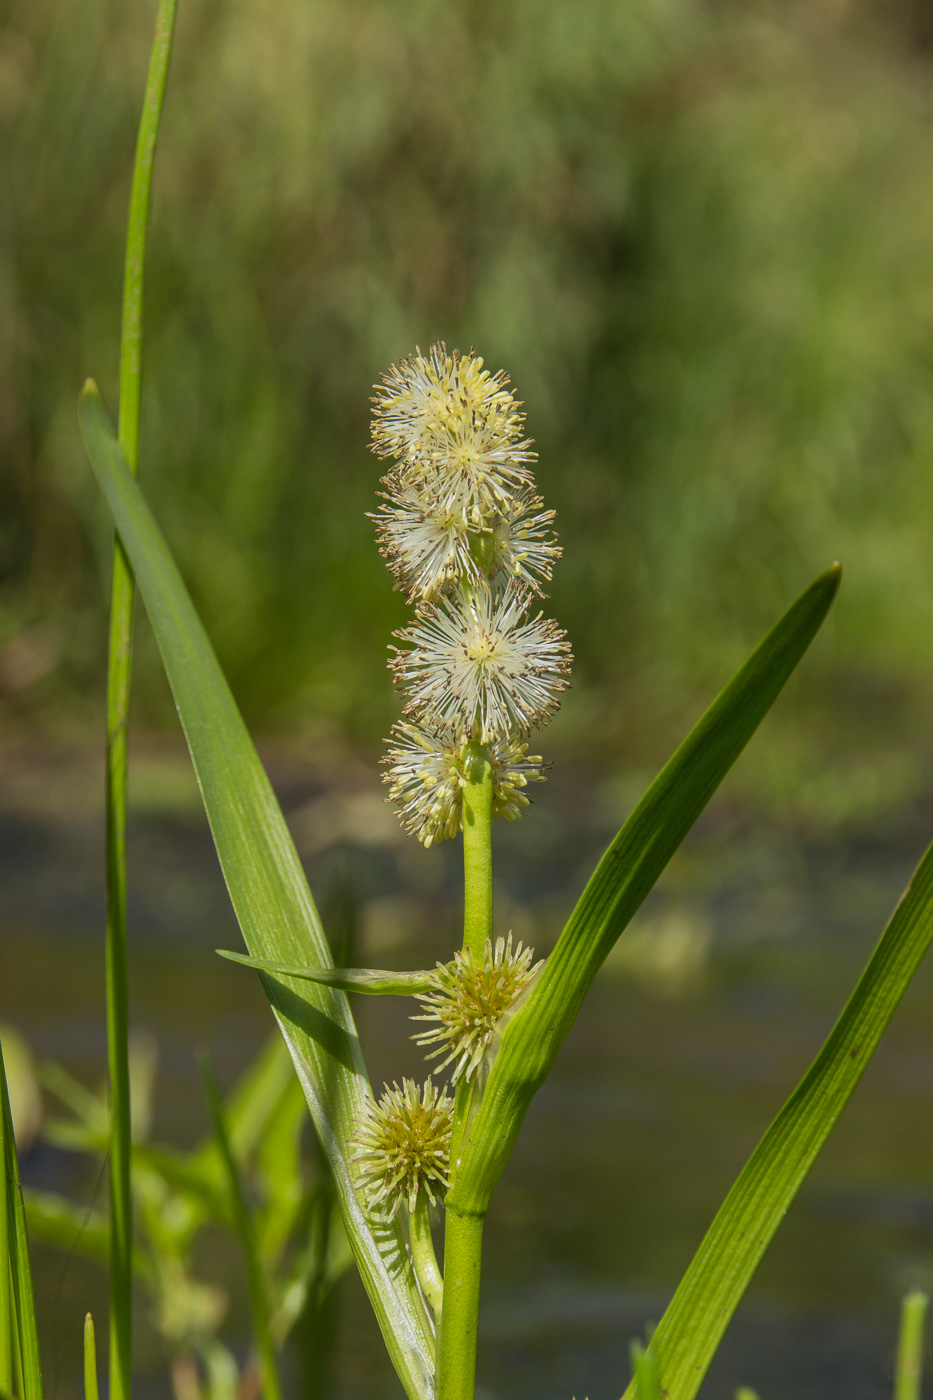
{"type": "Point", "coordinates": [471, 545]}
{"type": "Point", "coordinates": [475, 667]}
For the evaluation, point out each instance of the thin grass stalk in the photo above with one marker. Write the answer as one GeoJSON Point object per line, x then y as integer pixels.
{"type": "Point", "coordinates": [24, 1325]}
{"type": "Point", "coordinates": [909, 1373]}
{"type": "Point", "coordinates": [119, 673]}
{"type": "Point", "coordinates": [6, 1289]}
{"type": "Point", "coordinates": [90, 1360]}
{"type": "Point", "coordinates": [243, 1225]}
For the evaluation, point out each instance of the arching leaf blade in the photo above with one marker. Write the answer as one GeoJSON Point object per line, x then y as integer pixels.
{"type": "Point", "coordinates": [530, 1040]}
{"type": "Point", "coordinates": [268, 890]}
{"type": "Point", "coordinates": [690, 1331]}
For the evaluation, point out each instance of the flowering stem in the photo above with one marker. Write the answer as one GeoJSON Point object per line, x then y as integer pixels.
{"type": "Point", "coordinates": [463, 1233]}
{"type": "Point", "coordinates": [477, 849]}
{"type": "Point", "coordinates": [424, 1258]}
{"type": "Point", "coordinates": [456, 1368]}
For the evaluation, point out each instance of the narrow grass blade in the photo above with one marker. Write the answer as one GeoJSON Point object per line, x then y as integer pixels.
{"type": "Point", "coordinates": [90, 1360]}
{"type": "Point", "coordinates": [243, 1225]}
{"type": "Point", "coordinates": [119, 672]}
{"type": "Point", "coordinates": [645, 1372]}
{"type": "Point", "coordinates": [368, 981]}
{"type": "Point", "coordinates": [691, 1329]}
{"type": "Point", "coordinates": [24, 1302]}
{"type": "Point", "coordinates": [530, 1039]}
{"type": "Point", "coordinates": [6, 1279]}
{"type": "Point", "coordinates": [908, 1378]}
{"type": "Point", "coordinates": [270, 896]}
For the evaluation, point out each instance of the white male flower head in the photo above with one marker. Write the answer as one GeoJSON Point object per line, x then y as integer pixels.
{"type": "Point", "coordinates": [474, 667]}
{"type": "Point", "coordinates": [401, 1145]}
{"type": "Point", "coordinates": [426, 775]}
{"type": "Point", "coordinates": [452, 423]}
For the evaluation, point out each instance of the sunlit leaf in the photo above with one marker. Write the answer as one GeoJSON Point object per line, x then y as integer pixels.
{"type": "Point", "coordinates": [530, 1039]}
{"type": "Point", "coordinates": [269, 893]}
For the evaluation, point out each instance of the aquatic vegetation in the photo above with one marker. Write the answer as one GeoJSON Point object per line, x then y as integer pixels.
{"type": "Point", "coordinates": [463, 530]}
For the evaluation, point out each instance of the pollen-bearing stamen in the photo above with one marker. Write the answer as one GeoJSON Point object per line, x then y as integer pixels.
{"type": "Point", "coordinates": [401, 1146]}
{"type": "Point", "coordinates": [469, 1000]}
{"type": "Point", "coordinates": [426, 775]}
{"type": "Point", "coordinates": [452, 423]}
{"type": "Point", "coordinates": [524, 545]}
{"type": "Point", "coordinates": [475, 667]}
{"type": "Point", "coordinates": [426, 546]}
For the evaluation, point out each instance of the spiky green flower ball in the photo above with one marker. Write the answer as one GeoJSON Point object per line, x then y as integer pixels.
{"type": "Point", "coordinates": [402, 1146]}
{"type": "Point", "coordinates": [469, 999]}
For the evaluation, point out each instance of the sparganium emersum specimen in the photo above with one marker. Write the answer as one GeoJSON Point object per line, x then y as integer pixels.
{"type": "Point", "coordinates": [471, 545]}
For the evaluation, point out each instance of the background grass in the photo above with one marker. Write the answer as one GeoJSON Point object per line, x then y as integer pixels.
{"type": "Point", "coordinates": [697, 235]}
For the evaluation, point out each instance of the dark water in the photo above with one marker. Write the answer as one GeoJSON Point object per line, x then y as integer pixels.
{"type": "Point", "coordinates": [686, 1048]}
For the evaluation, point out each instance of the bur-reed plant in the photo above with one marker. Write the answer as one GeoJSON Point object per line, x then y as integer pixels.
{"type": "Point", "coordinates": [471, 545]}
{"type": "Point", "coordinates": [478, 671]}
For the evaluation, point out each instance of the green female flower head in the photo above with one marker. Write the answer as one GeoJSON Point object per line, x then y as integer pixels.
{"type": "Point", "coordinates": [427, 774]}
{"type": "Point", "coordinates": [402, 1146]}
{"type": "Point", "coordinates": [468, 1001]}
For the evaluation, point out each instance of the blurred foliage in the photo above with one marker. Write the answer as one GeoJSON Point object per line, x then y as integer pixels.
{"type": "Point", "coordinates": [696, 234]}
{"type": "Point", "coordinates": [182, 1195]}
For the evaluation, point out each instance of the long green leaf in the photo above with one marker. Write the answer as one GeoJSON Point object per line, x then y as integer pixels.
{"type": "Point", "coordinates": [529, 1041]}
{"type": "Point", "coordinates": [269, 893]}
{"type": "Point", "coordinates": [18, 1243]}
{"type": "Point", "coordinates": [690, 1331]}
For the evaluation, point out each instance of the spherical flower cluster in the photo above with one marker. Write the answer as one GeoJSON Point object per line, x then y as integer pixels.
{"type": "Point", "coordinates": [402, 1146]}
{"type": "Point", "coordinates": [471, 545]}
{"type": "Point", "coordinates": [469, 999]}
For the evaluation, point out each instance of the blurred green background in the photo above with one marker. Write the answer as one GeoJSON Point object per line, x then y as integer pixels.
{"type": "Point", "coordinates": [699, 236]}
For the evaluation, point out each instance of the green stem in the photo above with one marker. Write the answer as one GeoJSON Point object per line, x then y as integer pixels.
{"type": "Point", "coordinates": [477, 850]}
{"type": "Point", "coordinates": [463, 1243]}
{"type": "Point", "coordinates": [463, 1233]}
{"type": "Point", "coordinates": [424, 1258]}
{"type": "Point", "coordinates": [910, 1347]}
{"type": "Point", "coordinates": [119, 670]}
